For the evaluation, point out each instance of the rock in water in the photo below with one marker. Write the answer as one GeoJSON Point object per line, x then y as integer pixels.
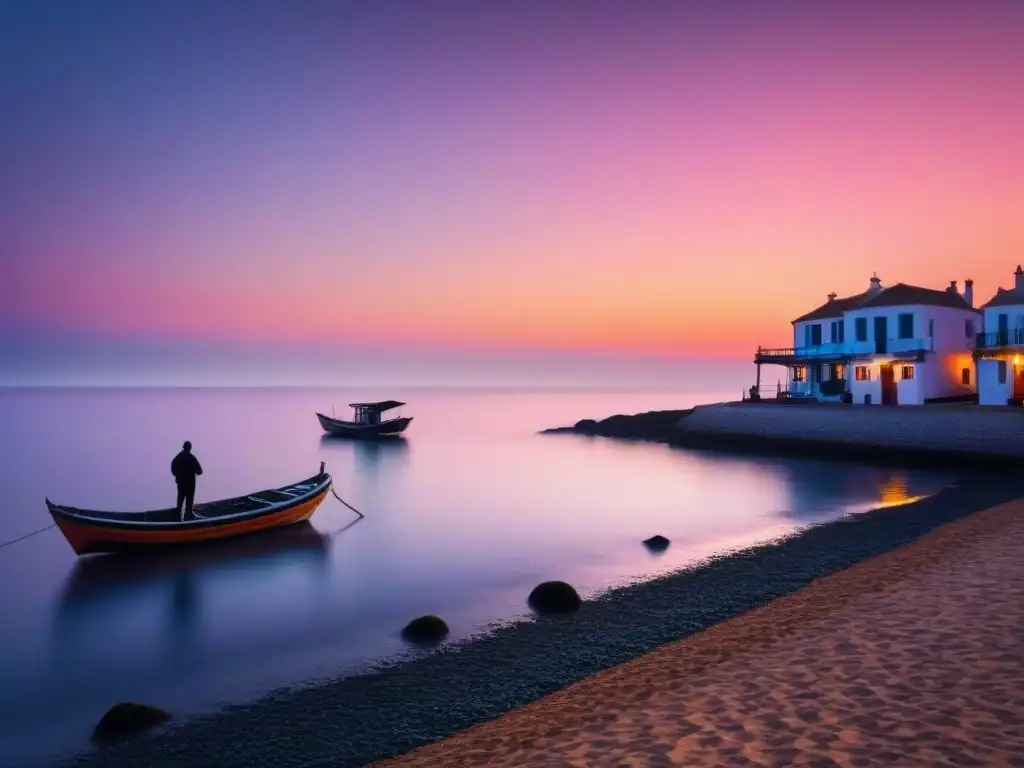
{"type": "Point", "coordinates": [127, 719]}
{"type": "Point", "coordinates": [554, 597]}
{"type": "Point", "coordinates": [657, 543]}
{"type": "Point", "coordinates": [425, 629]}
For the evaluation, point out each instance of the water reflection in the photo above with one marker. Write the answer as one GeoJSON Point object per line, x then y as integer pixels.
{"type": "Point", "coordinates": [114, 598]}
{"type": "Point", "coordinates": [816, 490]}
{"type": "Point", "coordinates": [370, 455]}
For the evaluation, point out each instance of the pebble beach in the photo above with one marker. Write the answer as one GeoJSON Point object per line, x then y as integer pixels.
{"type": "Point", "coordinates": [910, 658]}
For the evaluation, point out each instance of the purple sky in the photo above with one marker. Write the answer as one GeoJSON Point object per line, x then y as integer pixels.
{"type": "Point", "coordinates": [654, 178]}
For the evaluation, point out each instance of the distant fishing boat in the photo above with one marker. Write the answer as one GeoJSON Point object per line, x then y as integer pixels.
{"type": "Point", "coordinates": [367, 423]}
{"type": "Point", "coordinates": [94, 531]}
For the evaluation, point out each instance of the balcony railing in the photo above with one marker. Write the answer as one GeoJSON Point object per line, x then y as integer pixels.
{"type": "Point", "coordinates": [1009, 338]}
{"type": "Point", "coordinates": [890, 346]}
{"type": "Point", "coordinates": [852, 348]}
{"type": "Point", "coordinates": [817, 350]}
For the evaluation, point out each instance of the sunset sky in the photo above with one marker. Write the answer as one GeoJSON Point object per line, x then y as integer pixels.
{"type": "Point", "coordinates": [674, 179]}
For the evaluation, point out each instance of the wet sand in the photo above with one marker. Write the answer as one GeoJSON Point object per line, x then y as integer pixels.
{"type": "Point", "coordinates": [914, 657]}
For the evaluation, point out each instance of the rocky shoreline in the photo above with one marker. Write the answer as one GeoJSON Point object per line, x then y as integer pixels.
{"type": "Point", "coordinates": [936, 437]}
{"type": "Point", "coordinates": [358, 720]}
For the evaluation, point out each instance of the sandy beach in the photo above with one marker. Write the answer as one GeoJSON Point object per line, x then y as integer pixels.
{"type": "Point", "coordinates": [913, 657]}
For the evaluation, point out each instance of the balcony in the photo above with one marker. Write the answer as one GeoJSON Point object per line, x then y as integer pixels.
{"type": "Point", "coordinates": [999, 339]}
{"type": "Point", "coordinates": [788, 355]}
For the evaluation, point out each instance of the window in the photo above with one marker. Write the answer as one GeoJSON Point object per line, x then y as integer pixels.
{"type": "Point", "coordinates": [1001, 371]}
{"type": "Point", "coordinates": [906, 325]}
{"type": "Point", "coordinates": [815, 335]}
{"type": "Point", "coordinates": [860, 328]}
{"type": "Point", "coordinates": [907, 373]}
{"type": "Point", "coordinates": [862, 373]}
{"type": "Point", "coordinates": [838, 372]}
{"type": "Point", "coordinates": [965, 377]}
{"type": "Point", "coordinates": [799, 373]}
{"type": "Point", "coordinates": [969, 328]}
{"type": "Point", "coordinates": [838, 332]}
{"type": "Point", "coordinates": [931, 329]}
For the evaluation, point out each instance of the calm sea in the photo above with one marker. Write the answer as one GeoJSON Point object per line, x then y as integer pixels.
{"type": "Point", "coordinates": [463, 518]}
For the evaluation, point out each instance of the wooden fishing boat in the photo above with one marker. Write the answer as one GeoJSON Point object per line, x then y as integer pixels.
{"type": "Point", "coordinates": [367, 423]}
{"type": "Point", "coordinates": [93, 531]}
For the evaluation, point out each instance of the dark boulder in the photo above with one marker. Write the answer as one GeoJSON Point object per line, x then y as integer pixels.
{"type": "Point", "coordinates": [586, 427]}
{"type": "Point", "coordinates": [127, 719]}
{"type": "Point", "coordinates": [554, 597]}
{"type": "Point", "coordinates": [657, 543]}
{"type": "Point", "coordinates": [425, 629]}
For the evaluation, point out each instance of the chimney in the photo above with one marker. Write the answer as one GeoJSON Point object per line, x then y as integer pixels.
{"type": "Point", "coordinates": [1018, 284]}
{"type": "Point", "coordinates": [952, 287]}
{"type": "Point", "coordinates": [832, 296]}
{"type": "Point", "coordinates": [876, 284]}
{"type": "Point", "coordinates": [969, 291]}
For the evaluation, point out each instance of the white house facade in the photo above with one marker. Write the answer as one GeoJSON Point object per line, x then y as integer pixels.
{"type": "Point", "coordinates": [902, 345]}
{"type": "Point", "coordinates": [999, 350]}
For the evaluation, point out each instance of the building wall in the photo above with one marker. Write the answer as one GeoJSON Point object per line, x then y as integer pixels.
{"type": "Point", "coordinates": [872, 387]}
{"type": "Point", "coordinates": [943, 331]}
{"type": "Point", "coordinates": [830, 334]}
{"type": "Point", "coordinates": [953, 352]}
{"type": "Point", "coordinates": [1014, 317]}
{"type": "Point", "coordinates": [990, 391]}
{"type": "Point", "coordinates": [908, 391]}
{"type": "Point", "coordinates": [911, 391]}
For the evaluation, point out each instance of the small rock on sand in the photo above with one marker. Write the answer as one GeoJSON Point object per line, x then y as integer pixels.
{"type": "Point", "coordinates": [554, 597]}
{"type": "Point", "coordinates": [425, 629]}
{"type": "Point", "coordinates": [127, 719]}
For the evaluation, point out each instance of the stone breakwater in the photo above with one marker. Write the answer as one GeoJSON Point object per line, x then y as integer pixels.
{"type": "Point", "coordinates": [958, 435]}
{"type": "Point", "coordinates": [354, 721]}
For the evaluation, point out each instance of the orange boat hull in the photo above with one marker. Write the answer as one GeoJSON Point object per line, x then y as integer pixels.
{"type": "Point", "coordinates": [86, 538]}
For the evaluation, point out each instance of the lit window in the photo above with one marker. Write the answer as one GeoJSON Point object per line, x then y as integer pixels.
{"type": "Point", "coordinates": [798, 373]}
{"type": "Point", "coordinates": [965, 377]}
{"type": "Point", "coordinates": [862, 373]}
{"type": "Point", "coordinates": [907, 373]}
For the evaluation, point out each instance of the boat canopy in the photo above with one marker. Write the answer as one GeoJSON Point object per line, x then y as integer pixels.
{"type": "Point", "coordinates": [384, 405]}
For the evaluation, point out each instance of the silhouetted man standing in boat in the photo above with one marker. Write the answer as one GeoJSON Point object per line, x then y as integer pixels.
{"type": "Point", "coordinates": [185, 466]}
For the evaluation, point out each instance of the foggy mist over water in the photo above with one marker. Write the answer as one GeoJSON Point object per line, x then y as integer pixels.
{"type": "Point", "coordinates": [90, 362]}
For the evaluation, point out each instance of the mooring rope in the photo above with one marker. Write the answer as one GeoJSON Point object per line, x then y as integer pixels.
{"type": "Point", "coordinates": [27, 535]}
{"type": "Point", "coordinates": [345, 502]}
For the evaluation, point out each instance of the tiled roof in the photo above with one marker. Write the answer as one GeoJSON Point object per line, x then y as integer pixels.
{"type": "Point", "coordinates": [1005, 298]}
{"type": "Point", "coordinates": [901, 293]}
{"type": "Point", "coordinates": [833, 308]}
{"type": "Point", "coordinates": [894, 296]}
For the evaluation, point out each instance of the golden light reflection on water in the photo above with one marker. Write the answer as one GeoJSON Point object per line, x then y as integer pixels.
{"type": "Point", "coordinates": [894, 491]}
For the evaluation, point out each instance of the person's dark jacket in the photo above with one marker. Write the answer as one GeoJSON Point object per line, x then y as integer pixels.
{"type": "Point", "coordinates": [185, 466]}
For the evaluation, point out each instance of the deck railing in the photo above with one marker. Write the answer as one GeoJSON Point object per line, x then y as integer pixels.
{"type": "Point", "coordinates": [814, 350]}
{"type": "Point", "coordinates": [769, 392]}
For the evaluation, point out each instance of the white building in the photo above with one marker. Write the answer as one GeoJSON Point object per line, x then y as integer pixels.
{"type": "Point", "coordinates": [1000, 348]}
{"type": "Point", "coordinates": [902, 345]}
